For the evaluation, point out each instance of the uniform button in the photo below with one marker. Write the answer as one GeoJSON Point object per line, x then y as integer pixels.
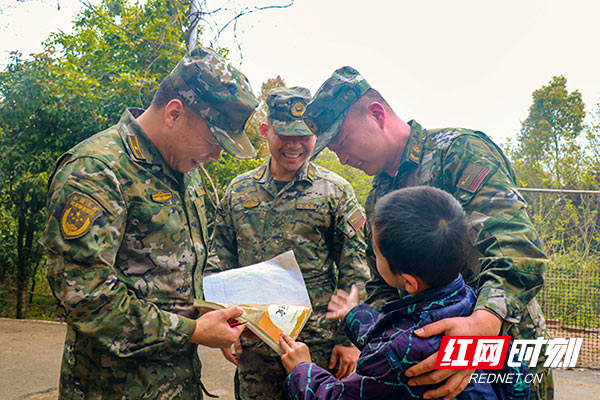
{"type": "Point", "coordinates": [362, 341]}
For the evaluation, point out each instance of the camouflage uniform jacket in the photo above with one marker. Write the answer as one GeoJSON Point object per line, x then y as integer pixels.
{"type": "Point", "coordinates": [126, 241]}
{"type": "Point", "coordinates": [316, 215]}
{"type": "Point", "coordinates": [507, 263]}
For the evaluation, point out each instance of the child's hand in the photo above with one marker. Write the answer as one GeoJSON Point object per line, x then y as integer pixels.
{"type": "Point", "coordinates": [342, 303]}
{"type": "Point", "coordinates": [295, 352]}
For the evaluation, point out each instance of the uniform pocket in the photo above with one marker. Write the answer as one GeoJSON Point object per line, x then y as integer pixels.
{"type": "Point", "coordinates": [157, 254]}
{"type": "Point", "coordinates": [249, 224]}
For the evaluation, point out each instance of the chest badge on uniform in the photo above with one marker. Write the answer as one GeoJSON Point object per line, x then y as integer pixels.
{"type": "Point", "coordinates": [200, 191]}
{"type": "Point", "coordinates": [250, 203]}
{"type": "Point", "coordinates": [472, 178]}
{"type": "Point", "coordinates": [79, 214]}
{"type": "Point", "coordinates": [162, 196]}
{"type": "Point", "coordinates": [306, 206]}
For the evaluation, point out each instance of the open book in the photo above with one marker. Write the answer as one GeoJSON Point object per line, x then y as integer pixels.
{"type": "Point", "coordinates": [272, 294]}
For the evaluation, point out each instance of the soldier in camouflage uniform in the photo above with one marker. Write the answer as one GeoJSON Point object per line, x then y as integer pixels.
{"type": "Point", "coordinates": [507, 263]}
{"type": "Point", "coordinates": [126, 238]}
{"type": "Point", "coordinates": [291, 204]}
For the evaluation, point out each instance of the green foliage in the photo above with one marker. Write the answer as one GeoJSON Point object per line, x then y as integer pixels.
{"type": "Point", "coordinates": [547, 144]}
{"type": "Point", "coordinates": [548, 155]}
{"type": "Point", "coordinates": [79, 85]}
{"type": "Point", "coordinates": [119, 52]}
{"type": "Point", "coordinates": [567, 223]}
{"type": "Point", "coordinates": [361, 183]}
{"type": "Point", "coordinates": [25, 112]}
{"type": "Point", "coordinates": [8, 248]}
{"type": "Point", "coordinates": [592, 159]}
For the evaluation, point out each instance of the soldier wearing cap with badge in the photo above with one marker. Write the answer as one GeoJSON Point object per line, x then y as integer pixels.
{"type": "Point", "coordinates": [290, 203]}
{"type": "Point", "coordinates": [507, 263]}
{"type": "Point", "coordinates": [126, 237]}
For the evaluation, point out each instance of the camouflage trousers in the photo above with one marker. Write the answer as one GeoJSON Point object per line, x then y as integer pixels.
{"type": "Point", "coordinates": [261, 376]}
{"type": "Point", "coordinates": [88, 372]}
{"type": "Point", "coordinates": [533, 326]}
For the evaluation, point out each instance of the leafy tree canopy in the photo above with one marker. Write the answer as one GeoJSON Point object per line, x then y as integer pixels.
{"type": "Point", "coordinates": [548, 135]}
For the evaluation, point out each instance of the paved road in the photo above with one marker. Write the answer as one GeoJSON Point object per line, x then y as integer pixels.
{"type": "Point", "coordinates": [30, 353]}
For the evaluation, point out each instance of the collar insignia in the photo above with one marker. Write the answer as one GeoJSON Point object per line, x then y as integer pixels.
{"type": "Point", "coordinates": [134, 145]}
{"type": "Point", "coordinates": [259, 174]}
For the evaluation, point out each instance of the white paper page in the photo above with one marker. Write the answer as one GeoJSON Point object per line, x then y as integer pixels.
{"type": "Point", "coordinates": [276, 281]}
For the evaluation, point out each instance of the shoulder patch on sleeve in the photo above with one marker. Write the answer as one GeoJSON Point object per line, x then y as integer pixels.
{"type": "Point", "coordinates": [352, 222]}
{"type": "Point", "coordinates": [78, 215]}
{"type": "Point", "coordinates": [473, 177]}
{"type": "Point", "coordinates": [357, 220]}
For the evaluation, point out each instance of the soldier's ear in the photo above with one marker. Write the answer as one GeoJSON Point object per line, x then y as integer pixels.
{"type": "Point", "coordinates": [377, 111]}
{"type": "Point", "coordinates": [173, 112]}
{"type": "Point", "coordinates": [264, 130]}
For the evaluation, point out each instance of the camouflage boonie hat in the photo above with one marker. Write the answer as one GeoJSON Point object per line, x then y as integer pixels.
{"type": "Point", "coordinates": [220, 94]}
{"type": "Point", "coordinates": [325, 113]}
{"type": "Point", "coordinates": [286, 107]}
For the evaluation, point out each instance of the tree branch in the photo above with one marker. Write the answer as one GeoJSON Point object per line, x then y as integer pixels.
{"type": "Point", "coordinates": [108, 20]}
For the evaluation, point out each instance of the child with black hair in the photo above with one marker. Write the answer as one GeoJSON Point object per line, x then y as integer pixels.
{"type": "Point", "coordinates": [421, 240]}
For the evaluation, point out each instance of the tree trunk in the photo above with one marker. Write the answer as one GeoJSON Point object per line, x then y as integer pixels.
{"type": "Point", "coordinates": [20, 272]}
{"type": "Point", "coordinates": [25, 237]}
{"type": "Point", "coordinates": [37, 264]}
{"type": "Point", "coordinates": [21, 299]}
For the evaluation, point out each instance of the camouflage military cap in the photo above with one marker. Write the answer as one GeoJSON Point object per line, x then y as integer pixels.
{"type": "Point", "coordinates": [220, 94]}
{"type": "Point", "coordinates": [286, 107]}
{"type": "Point", "coordinates": [325, 113]}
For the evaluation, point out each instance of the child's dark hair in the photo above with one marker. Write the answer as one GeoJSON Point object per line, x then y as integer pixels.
{"type": "Point", "coordinates": [422, 231]}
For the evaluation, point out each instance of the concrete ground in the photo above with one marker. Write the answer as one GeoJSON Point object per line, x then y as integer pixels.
{"type": "Point", "coordinates": [30, 353]}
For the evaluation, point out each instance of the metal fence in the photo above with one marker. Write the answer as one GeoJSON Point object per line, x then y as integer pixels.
{"type": "Point", "coordinates": [570, 305]}
{"type": "Point", "coordinates": [569, 226]}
